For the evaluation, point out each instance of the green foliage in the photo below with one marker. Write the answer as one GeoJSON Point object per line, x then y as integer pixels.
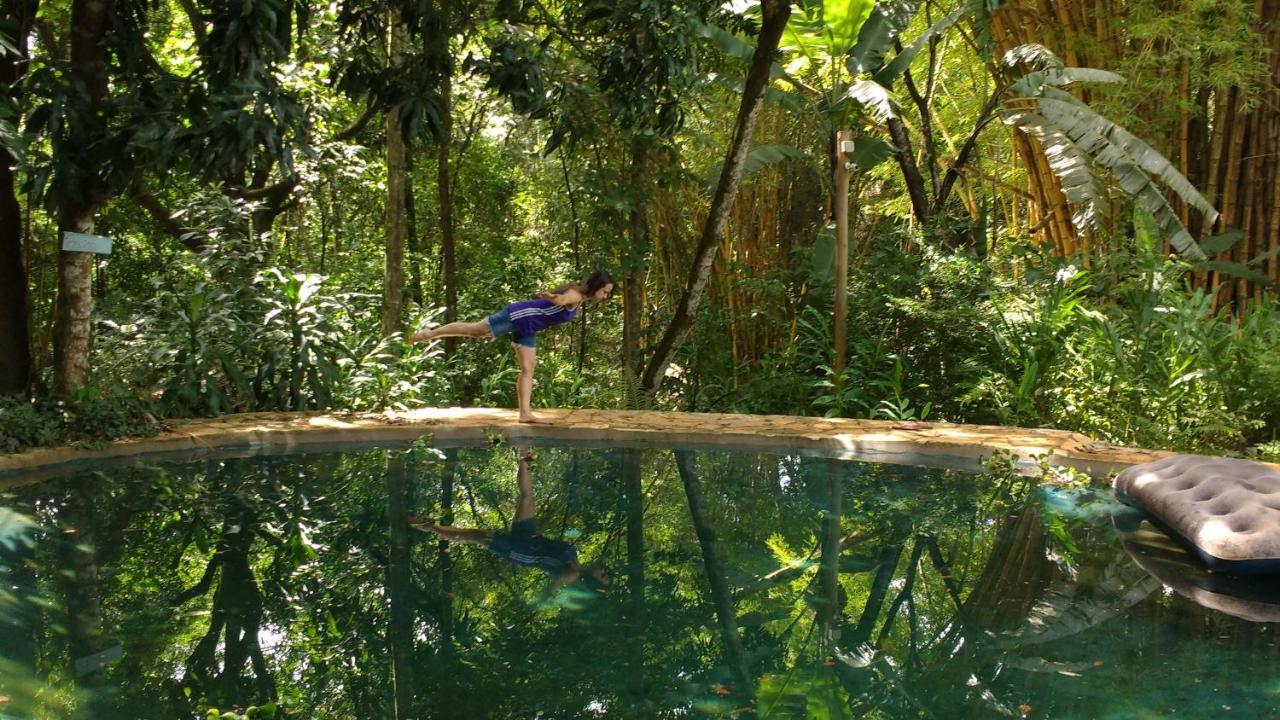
{"type": "Point", "coordinates": [90, 417]}
{"type": "Point", "coordinates": [267, 711]}
{"type": "Point", "coordinates": [1139, 361]}
{"type": "Point", "coordinates": [224, 336]}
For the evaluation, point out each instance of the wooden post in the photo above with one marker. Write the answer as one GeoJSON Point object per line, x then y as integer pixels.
{"type": "Point", "coordinates": [841, 320]}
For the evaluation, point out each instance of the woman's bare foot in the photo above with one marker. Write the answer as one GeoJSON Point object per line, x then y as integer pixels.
{"type": "Point", "coordinates": [420, 337]}
{"type": "Point", "coordinates": [530, 418]}
{"type": "Point", "coordinates": [422, 523]}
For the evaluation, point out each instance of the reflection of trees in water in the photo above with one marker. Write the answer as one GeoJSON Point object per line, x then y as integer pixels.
{"type": "Point", "coordinates": [399, 591]}
{"type": "Point", "coordinates": [235, 620]}
{"type": "Point", "coordinates": [795, 586]}
{"type": "Point", "coordinates": [717, 579]}
{"type": "Point", "coordinates": [635, 702]}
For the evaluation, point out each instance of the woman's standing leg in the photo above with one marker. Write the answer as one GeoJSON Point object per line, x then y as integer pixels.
{"type": "Point", "coordinates": [528, 358]}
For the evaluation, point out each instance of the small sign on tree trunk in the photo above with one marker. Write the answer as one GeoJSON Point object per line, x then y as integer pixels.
{"type": "Point", "coordinates": [80, 242]}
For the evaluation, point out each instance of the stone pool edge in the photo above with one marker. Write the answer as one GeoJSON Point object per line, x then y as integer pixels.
{"type": "Point", "coordinates": [875, 440]}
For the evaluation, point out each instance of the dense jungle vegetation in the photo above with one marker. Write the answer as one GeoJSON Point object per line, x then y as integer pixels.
{"type": "Point", "coordinates": [1055, 213]}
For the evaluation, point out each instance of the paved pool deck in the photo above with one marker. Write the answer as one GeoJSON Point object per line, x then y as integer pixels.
{"type": "Point", "coordinates": [939, 444]}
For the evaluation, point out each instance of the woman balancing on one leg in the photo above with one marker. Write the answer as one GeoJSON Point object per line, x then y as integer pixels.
{"type": "Point", "coordinates": [522, 320]}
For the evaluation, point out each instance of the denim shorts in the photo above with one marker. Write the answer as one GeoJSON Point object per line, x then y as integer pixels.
{"type": "Point", "coordinates": [500, 324]}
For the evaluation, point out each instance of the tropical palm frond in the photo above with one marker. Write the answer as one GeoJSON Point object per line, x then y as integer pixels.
{"type": "Point", "coordinates": [874, 97]}
{"type": "Point", "coordinates": [1076, 138]}
{"type": "Point", "coordinates": [1032, 55]}
{"type": "Point", "coordinates": [758, 157]}
{"type": "Point", "coordinates": [1071, 164]}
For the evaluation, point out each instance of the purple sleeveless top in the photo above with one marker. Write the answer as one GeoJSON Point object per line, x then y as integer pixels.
{"type": "Point", "coordinates": [531, 316]}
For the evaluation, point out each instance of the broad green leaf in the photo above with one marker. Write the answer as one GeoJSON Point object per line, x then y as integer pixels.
{"type": "Point", "coordinates": [823, 261]}
{"type": "Point", "coordinates": [1067, 76]}
{"type": "Point", "coordinates": [795, 102]}
{"type": "Point", "coordinates": [757, 158]}
{"type": "Point", "coordinates": [1076, 136]}
{"type": "Point", "coordinates": [885, 24]}
{"type": "Point", "coordinates": [1084, 122]}
{"type": "Point", "coordinates": [843, 20]}
{"type": "Point", "coordinates": [1032, 54]}
{"type": "Point", "coordinates": [804, 31]}
{"type": "Point", "coordinates": [1071, 165]}
{"type": "Point", "coordinates": [891, 72]}
{"type": "Point", "coordinates": [870, 151]}
{"type": "Point", "coordinates": [1221, 243]}
{"type": "Point", "coordinates": [1238, 270]}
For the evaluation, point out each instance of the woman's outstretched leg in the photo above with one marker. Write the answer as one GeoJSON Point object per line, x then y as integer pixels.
{"type": "Point", "coordinates": [469, 536]}
{"type": "Point", "coordinates": [478, 329]}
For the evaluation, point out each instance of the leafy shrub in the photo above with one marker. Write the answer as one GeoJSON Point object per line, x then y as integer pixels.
{"type": "Point", "coordinates": [90, 416]}
{"type": "Point", "coordinates": [224, 334]}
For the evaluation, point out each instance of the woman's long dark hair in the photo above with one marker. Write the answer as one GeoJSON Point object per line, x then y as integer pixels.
{"type": "Point", "coordinates": [590, 285]}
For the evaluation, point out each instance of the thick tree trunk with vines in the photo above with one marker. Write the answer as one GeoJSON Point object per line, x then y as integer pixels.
{"type": "Point", "coordinates": [717, 578]}
{"type": "Point", "coordinates": [72, 332]}
{"type": "Point", "coordinates": [413, 241]}
{"type": "Point", "coordinates": [399, 586]}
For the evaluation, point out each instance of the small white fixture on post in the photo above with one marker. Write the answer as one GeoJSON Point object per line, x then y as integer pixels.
{"type": "Point", "coordinates": [80, 242]}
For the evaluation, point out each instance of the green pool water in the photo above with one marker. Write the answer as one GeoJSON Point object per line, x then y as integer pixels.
{"type": "Point", "coordinates": [740, 585]}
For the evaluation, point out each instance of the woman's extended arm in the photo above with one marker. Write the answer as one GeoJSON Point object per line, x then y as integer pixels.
{"type": "Point", "coordinates": [570, 297]}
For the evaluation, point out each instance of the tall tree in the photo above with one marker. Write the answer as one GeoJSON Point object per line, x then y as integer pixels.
{"type": "Point", "coordinates": [397, 184]}
{"type": "Point", "coordinates": [18, 17]}
{"type": "Point", "coordinates": [442, 55]}
{"type": "Point", "coordinates": [774, 15]}
{"type": "Point", "coordinates": [84, 190]}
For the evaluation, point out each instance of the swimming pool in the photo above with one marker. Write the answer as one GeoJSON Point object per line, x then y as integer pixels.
{"type": "Point", "coordinates": [739, 585]}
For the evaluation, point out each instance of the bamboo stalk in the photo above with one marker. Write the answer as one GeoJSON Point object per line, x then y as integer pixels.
{"type": "Point", "coordinates": [1248, 165]}
{"type": "Point", "coordinates": [1216, 140]}
{"type": "Point", "coordinates": [1217, 135]}
{"type": "Point", "coordinates": [1273, 230]}
{"type": "Point", "coordinates": [1231, 182]}
{"type": "Point", "coordinates": [1067, 27]}
{"type": "Point", "coordinates": [1184, 127]}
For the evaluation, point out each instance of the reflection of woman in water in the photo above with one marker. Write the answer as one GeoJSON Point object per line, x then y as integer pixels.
{"type": "Point", "coordinates": [523, 545]}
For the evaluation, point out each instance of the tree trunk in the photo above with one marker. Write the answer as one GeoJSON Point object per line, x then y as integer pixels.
{"type": "Point", "coordinates": [15, 355]}
{"type": "Point", "coordinates": [829, 572]}
{"type": "Point", "coordinates": [887, 565]}
{"type": "Point", "coordinates": [633, 279]}
{"type": "Point", "coordinates": [15, 352]}
{"type": "Point", "coordinates": [393, 275]}
{"type": "Point", "coordinates": [413, 241]}
{"type": "Point", "coordinates": [443, 559]}
{"type": "Point", "coordinates": [910, 171]}
{"type": "Point", "coordinates": [840, 326]}
{"type": "Point", "coordinates": [774, 15]}
{"type": "Point", "coordinates": [445, 193]}
{"type": "Point", "coordinates": [72, 332]}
